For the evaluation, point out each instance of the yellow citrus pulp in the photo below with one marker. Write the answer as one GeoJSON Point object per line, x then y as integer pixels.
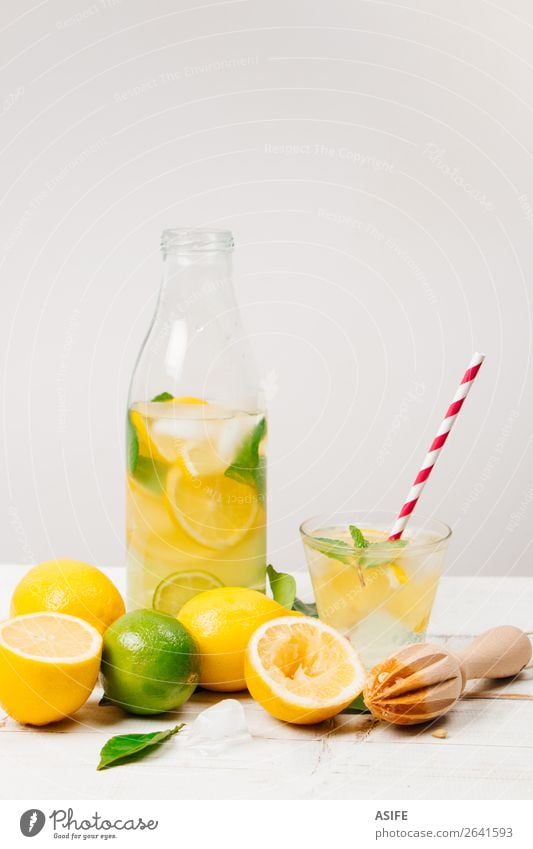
{"type": "Point", "coordinates": [69, 586]}
{"type": "Point", "coordinates": [221, 622]}
{"type": "Point", "coordinates": [49, 663]}
{"type": "Point", "coordinates": [302, 670]}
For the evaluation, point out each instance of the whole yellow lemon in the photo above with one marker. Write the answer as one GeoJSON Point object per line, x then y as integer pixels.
{"type": "Point", "coordinates": [221, 622]}
{"type": "Point", "coordinates": [69, 586]}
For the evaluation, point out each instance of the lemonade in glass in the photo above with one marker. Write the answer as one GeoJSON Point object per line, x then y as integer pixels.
{"type": "Point", "coordinates": [378, 593]}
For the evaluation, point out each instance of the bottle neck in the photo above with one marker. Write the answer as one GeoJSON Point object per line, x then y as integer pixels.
{"type": "Point", "coordinates": [196, 286]}
{"type": "Point", "coordinates": [197, 345]}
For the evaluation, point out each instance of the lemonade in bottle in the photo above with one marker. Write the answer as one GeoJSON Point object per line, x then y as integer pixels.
{"type": "Point", "coordinates": [196, 436]}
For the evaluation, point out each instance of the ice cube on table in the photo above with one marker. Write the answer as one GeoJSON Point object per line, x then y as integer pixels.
{"type": "Point", "coordinates": [217, 728]}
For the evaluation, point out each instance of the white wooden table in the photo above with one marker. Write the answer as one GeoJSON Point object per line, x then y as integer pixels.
{"type": "Point", "coordinates": [488, 752]}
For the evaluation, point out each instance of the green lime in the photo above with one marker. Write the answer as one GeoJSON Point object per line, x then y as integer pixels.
{"type": "Point", "coordinates": [150, 662]}
{"type": "Point", "coordinates": [172, 593]}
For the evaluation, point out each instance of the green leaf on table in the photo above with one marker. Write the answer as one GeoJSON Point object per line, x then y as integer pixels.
{"type": "Point", "coordinates": [384, 552]}
{"type": "Point", "coordinates": [126, 748]}
{"type": "Point", "coordinates": [132, 445]}
{"type": "Point", "coordinates": [357, 535]}
{"type": "Point", "coordinates": [163, 396]}
{"type": "Point", "coordinates": [357, 706]}
{"type": "Point", "coordinates": [248, 467]}
{"type": "Point", "coordinates": [283, 587]}
{"type": "Point", "coordinates": [308, 608]}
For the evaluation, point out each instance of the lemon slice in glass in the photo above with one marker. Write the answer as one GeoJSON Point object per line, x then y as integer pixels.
{"type": "Point", "coordinates": [173, 591]}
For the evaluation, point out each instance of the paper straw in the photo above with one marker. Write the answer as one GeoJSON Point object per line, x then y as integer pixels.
{"type": "Point", "coordinates": [436, 446]}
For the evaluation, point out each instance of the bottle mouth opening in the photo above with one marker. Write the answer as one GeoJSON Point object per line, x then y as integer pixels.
{"type": "Point", "coordinates": [195, 240]}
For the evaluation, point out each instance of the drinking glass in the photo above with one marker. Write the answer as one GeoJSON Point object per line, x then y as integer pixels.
{"type": "Point", "coordinates": [379, 596]}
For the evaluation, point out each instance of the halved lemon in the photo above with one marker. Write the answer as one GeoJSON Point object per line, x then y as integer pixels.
{"type": "Point", "coordinates": [302, 670]}
{"type": "Point", "coordinates": [172, 593]}
{"type": "Point", "coordinates": [214, 510]}
{"type": "Point", "coordinates": [49, 663]}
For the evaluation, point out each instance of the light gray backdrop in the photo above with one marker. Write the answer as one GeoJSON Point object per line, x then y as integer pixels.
{"type": "Point", "coordinates": [374, 160]}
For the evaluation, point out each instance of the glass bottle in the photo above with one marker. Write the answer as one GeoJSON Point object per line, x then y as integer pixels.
{"type": "Point", "coordinates": [196, 433]}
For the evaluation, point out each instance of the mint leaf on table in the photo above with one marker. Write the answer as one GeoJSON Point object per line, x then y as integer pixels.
{"type": "Point", "coordinates": [126, 748]}
{"type": "Point", "coordinates": [163, 396]}
{"type": "Point", "coordinates": [132, 445]}
{"type": "Point", "coordinates": [248, 467]}
{"type": "Point", "coordinates": [357, 706]}
{"type": "Point", "coordinates": [308, 608]}
{"type": "Point", "coordinates": [380, 557]}
{"type": "Point", "coordinates": [283, 587]}
{"type": "Point", "coordinates": [357, 535]}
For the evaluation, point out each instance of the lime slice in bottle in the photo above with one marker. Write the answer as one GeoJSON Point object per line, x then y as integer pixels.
{"type": "Point", "coordinates": [172, 593]}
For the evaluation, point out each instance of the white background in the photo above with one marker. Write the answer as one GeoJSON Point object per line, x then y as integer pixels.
{"type": "Point", "coordinates": [374, 160]}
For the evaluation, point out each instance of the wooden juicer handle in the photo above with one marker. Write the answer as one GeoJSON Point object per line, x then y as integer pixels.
{"type": "Point", "coordinates": [499, 653]}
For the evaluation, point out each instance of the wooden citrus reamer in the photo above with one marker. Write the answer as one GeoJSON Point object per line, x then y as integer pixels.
{"type": "Point", "coordinates": [421, 682]}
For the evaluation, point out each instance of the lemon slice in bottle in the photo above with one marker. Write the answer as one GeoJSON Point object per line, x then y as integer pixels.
{"type": "Point", "coordinates": [214, 510]}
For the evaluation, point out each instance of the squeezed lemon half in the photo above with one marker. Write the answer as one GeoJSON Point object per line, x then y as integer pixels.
{"type": "Point", "coordinates": [301, 670]}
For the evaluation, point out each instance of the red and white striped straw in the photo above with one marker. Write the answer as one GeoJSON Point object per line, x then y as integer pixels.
{"type": "Point", "coordinates": [436, 446]}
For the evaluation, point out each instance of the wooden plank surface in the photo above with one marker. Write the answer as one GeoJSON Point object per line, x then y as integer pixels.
{"type": "Point", "coordinates": [488, 752]}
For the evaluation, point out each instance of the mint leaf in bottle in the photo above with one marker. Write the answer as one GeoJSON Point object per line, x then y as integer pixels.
{"type": "Point", "coordinates": [132, 445]}
{"type": "Point", "coordinates": [151, 474]}
{"type": "Point", "coordinates": [248, 467]}
{"type": "Point", "coordinates": [163, 396]}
